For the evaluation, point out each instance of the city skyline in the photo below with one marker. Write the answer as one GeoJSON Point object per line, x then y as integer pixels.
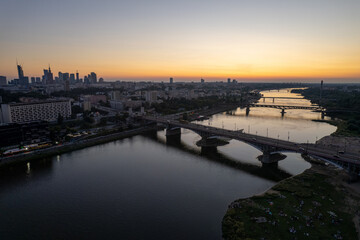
{"type": "Point", "coordinates": [138, 40]}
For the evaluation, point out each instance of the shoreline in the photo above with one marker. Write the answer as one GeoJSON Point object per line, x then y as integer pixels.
{"type": "Point", "coordinates": [53, 151]}
{"type": "Point", "coordinates": [69, 147]}
{"type": "Point", "coordinates": [315, 203]}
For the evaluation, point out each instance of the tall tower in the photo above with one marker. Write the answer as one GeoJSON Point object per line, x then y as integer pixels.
{"type": "Point", "coordinates": [77, 76]}
{"type": "Point", "coordinates": [321, 89]}
{"type": "Point", "coordinates": [20, 71]}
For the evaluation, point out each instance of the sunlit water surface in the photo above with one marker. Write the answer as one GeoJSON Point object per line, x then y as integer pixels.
{"type": "Point", "coordinates": [147, 188]}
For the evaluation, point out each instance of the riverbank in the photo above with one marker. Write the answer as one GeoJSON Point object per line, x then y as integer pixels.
{"type": "Point", "coordinates": [60, 149]}
{"type": "Point", "coordinates": [317, 204]}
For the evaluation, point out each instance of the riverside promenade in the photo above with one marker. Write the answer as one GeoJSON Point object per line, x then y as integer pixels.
{"type": "Point", "coordinates": [71, 146]}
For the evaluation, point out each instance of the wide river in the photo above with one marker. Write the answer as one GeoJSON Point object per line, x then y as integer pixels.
{"type": "Point", "coordinates": [145, 188]}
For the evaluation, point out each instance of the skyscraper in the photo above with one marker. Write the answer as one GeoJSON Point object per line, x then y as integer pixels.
{"type": "Point", "coordinates": [61, 78]}
{"type": "Point", "coordinates": [72, 78]}
{"type": "Point", "coordinates": [48, 76]}
{"type": "Point", "coordinates": [171, 80]}
{"type": "Point", "coordinates": [2, 80]}
{"type": "Point", "coordinates": [77, 76]}
{"type": "Point", "coordinates": [20, 71]}
{"type": "Point", "coordinates": [93, 77]}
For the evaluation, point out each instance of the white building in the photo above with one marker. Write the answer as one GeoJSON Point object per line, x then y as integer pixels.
{"type": "Point", "coordinates": [35, 111]}
{"type": "Point", "coordinates": [151, 96]}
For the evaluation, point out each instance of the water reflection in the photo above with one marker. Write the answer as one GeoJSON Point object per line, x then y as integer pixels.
{"type": "Point", "coordinates": [296, 125]}
{"type": "Point", "coordinates": [266, 171]}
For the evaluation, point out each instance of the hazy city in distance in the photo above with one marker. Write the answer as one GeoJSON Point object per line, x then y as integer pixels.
{"type": "Point", "coordinates": [180, 119]}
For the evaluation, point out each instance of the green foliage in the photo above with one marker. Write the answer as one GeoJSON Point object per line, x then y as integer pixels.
{"type": "Point", "coordinates": [305, 203]}
{"type": "Point", "coordinates": [60, 119]}
{"type": "Point", "coordinates": [344, 105]}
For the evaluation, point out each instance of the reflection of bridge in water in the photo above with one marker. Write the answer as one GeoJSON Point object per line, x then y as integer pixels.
{"type": "Point", "coordinates": [265, 144]}
{"type": "Point", "coordinates": [266, 171]}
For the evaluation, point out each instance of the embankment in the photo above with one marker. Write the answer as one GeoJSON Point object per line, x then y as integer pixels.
{"type": "Point", "coordinates": [317, 204]}
{"type": "Point", "coordinates": [56, 150]}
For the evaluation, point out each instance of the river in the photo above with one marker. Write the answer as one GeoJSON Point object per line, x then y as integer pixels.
{"type": "Point", "coordinates": [147, 188]}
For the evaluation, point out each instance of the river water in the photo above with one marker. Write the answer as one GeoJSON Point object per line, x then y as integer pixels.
{"type": "Point", "coordinates": [147, 188]}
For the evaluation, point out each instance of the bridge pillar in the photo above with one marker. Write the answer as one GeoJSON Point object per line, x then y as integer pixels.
{"type": "Point", "coordinates": [263, 99]}
{"type": "Point", "coordinates": [172, 131]}
{"type": "Point", "coordinates": [248, 110]}
{"type": "Point", "coordinates": [206, 142]}
{"type": "Point", "coordinates": [282, 112]}
{"type": "Point", "coordinates": [273, 100]}
{"type": "Point", "coordinates": [173, 135]}
{"type": "Point", "coordinates": [322, 114]}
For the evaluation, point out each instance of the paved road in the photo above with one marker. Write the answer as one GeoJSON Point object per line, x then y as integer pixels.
{"type": "Point", "coordinates": [277, 144]}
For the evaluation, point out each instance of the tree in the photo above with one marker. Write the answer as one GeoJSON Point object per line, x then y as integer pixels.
{"type": "Point", "coordinates": [60, 119]}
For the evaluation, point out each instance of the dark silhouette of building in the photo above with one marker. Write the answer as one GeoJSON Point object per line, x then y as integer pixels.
{"type": "Point", "coordinates": [72, 78]}
{"type": "Point", "coordinates": [48, 77]}
{"type": "Point", "coordinates": [22, 134]}
{"type": "Point", "coordinates": [20, 71]}
{"type": "Point", "coordinates": [3, 80]}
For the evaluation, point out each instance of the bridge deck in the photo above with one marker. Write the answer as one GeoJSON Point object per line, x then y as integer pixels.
{"type": "Point", "coordinates": [286, 106]}
{"type": "Point", "coordinates": [311, 149]}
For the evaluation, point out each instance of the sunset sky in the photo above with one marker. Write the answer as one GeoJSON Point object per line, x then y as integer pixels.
{"type": "Point", "coordinates": [277, 40]}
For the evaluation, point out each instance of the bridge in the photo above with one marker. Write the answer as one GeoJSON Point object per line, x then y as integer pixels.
{"type": "Point", "coordinates": [284, 107]}
{"type": "Point", "coordinates": [265, 144]}
{"type": "Point", "coordinates": [273, 98]}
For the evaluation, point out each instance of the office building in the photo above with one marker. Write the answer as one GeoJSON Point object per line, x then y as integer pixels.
{"type": "Point", "coordinates": [93, 77]}
{"type": "Point", "coordinates": [32, 80]}
{"type": "Point", "coordinates": [48, 77]}
{"type": "Point", "coordinates": [171, 80]}
{"type": "Point", "coordinates": [20, 71]}
{"type": "Point", "coordinates": [35, 111]}
{"type": "Point", "coordinates": [151, 96]}
{"type": "Point", "coordinates": [2, 80]}
{"type": "Point", "coordinates": [72, 78]}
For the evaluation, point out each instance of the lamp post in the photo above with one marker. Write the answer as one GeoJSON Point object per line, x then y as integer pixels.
{"type": "Point", "coordinates": [267, 132]}
{"type": "Point", "coordinates": [307, 145]}
{"type": "Point", "coordinates": [249, 128]}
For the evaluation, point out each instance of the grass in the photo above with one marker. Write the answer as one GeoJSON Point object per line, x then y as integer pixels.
{"type": "Point", "coordinates": [342, 128]}
{"type": "Point", "coordinates": [309, 204]}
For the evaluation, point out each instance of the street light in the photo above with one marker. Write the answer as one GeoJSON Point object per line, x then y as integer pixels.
{"type": "Point", "coordinates": [288, 135]}
{"type": "Point", "coordinates": [249, 128]}
{"type": "Point", "coordinates": [267, 132]}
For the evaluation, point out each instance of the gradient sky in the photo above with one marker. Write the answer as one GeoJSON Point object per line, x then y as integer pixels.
{"type": "Point", "coordinates": [287, 40]}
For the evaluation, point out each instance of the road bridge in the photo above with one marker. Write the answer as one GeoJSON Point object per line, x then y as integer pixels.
{"type": "Point", "coordinates": [265, 144]}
